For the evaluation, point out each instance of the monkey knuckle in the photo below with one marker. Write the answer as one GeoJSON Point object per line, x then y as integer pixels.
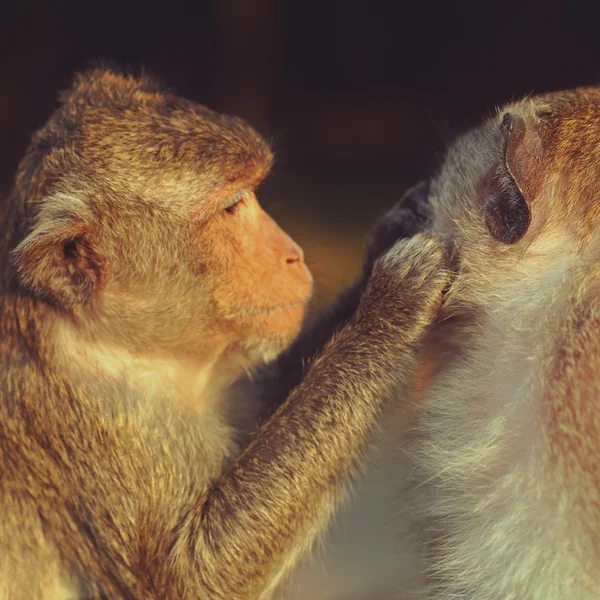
{"type": "Point", "coordinates": [411, 277]}
{"type": "Point", "coordinates": [420, 254]}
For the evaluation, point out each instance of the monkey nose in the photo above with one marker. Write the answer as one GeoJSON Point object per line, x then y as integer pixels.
{"type": "Point", "coordinates": [295, 254]}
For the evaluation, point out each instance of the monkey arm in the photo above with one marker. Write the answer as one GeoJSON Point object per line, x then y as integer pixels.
{"type": "Point", "coordinates": [250, 526]}
{"type": "Point", "coordinates": [274, 382]}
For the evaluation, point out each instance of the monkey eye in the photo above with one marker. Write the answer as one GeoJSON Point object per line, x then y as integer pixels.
{"type": "Point", "coordinates": [235, 203]}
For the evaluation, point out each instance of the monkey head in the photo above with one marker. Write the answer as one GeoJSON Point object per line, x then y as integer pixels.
{"type": "Point", "coordinates": [134, 214]}
{"type": "Point", "coordinates": [522, 189]}
{"type": "Point", "coordinates": [509, 429]}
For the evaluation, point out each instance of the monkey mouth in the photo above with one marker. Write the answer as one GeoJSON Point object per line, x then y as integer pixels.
{"type": "Point", "coordinates": [277, 308]}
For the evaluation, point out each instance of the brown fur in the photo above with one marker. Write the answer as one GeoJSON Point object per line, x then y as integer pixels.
{"type": "Point", "coordinates": [505, 456]}
{"type": "Point", "coordinates": [134, 291]}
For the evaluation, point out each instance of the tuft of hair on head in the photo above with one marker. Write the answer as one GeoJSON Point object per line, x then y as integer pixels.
{"type": "Point", "coordinates": [112, 83]}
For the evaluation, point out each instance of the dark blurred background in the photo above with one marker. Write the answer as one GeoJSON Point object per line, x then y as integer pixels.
{"type": "Point", "coordinates": [360, 98]}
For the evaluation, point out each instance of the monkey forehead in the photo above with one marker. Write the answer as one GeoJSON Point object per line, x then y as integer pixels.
{"type": "Point", "coordinates": [130, 128]}
{"type": "Point", "coordinates": [170, 132]}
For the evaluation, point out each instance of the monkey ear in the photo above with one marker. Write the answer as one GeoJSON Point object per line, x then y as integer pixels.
{"type": "Point", "coordinates": [508, 210]}
{"type": "Point", "coordinates": [60, 265]}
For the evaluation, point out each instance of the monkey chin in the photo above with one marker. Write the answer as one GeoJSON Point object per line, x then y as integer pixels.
{"type": "Point", "coordinates": [274, 331]}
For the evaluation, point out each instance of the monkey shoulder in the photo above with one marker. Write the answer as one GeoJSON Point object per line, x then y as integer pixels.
{"type": "Point", "coordinates": [100, 462]}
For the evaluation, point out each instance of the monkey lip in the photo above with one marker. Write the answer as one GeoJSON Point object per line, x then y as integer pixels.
{"type": "Point", "coordinates": [268, 310]}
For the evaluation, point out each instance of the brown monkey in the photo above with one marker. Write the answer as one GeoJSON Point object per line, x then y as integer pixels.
{"type": "Point", "coordinates": [505, 458]}
{"type": "Point", "coordinates": [139, 278]}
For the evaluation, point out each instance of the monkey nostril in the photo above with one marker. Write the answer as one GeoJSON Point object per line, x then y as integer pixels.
{"type": "Point", "coordinates": [295, 255]}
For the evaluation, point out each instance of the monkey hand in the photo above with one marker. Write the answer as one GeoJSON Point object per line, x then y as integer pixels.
{"type": "Point", "coordinates": [406, 287]}
{"type": "Point", "coordinates": [409, 216]}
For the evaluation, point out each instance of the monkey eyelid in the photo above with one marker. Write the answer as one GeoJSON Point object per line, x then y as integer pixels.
{"type": "Point", "coordinates": [233, 200]}
{"type": "Point", "coordinates": [213, 206]}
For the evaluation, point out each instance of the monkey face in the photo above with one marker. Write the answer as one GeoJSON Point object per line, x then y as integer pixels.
{"type": "Point", "coordinates": [147, 230]}
{"type": "Point", "coordinates": [230, 281]}
{"type": "Point", "coordinates": [264, 284]}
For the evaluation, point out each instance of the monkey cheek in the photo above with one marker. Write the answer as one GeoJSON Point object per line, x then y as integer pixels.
{"type": "Point", "coordinates": [286, 322]}
{"type": "Point", "coordinates": [281, 325]}
{"type": "Point", "coordinates": [265, 337]}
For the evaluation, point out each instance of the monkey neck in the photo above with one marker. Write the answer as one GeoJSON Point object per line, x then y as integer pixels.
{"type": "Point", "coordinates": [26, 325]}
{"type": "Point", "coordinates": [15, 221]}
{"type": "Point", "coordinates": [31, 326]}
{"type": "Point", "coordinates": [198, 382]}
